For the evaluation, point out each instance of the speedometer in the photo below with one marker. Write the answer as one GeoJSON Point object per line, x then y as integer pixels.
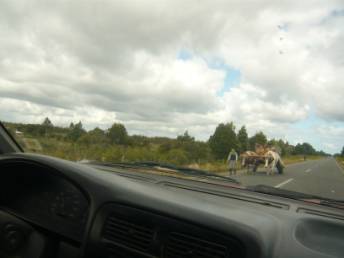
{"type": "Point", "coordinates": [44, 199]}
{"type": "Point", "coordinates": [67, 205]}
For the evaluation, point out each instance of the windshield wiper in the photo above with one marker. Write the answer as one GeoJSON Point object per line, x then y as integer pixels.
{"type": "Point", "coordinates": [297, 195]}
{"type": "Point", "coordinates": [176, 169]}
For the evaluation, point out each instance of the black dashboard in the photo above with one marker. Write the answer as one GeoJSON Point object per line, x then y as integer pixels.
{"type": "Point", "coordinates": [43, 196]}
{"type": "Point", "coordinates": [106, 214]}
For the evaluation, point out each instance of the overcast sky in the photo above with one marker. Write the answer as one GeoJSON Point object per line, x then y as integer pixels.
{"type": "Point", "coordinates": [161, 67]}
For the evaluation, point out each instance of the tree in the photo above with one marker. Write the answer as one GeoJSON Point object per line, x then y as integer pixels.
{"type": "Point", "coordinates": [117, 134]}
{"type": "Point", "coordinates": [94, 137]}
{"type": "Point", "coordinates": [192, 149]}
{"type": "Point", "coordinates": [201, 152]}
{"type": "Point", "coordinates": [166, 146]}
{"type": "Point", "coordinates": [47, 122]}
{"type": "Point", "coordinates": [185, 142]}
{"type": "Point", "coordinates": [242, 139]}
{"type": "Point", "coordinates": [304, 149]}
{"type": "Point", "coordinates": [281, 147]}
{"type": "Point", "coordinates": [322, 153]}
{"type": "Point", "coordinates": [185, 137]}
{"type": "Point", "coordinates": [139, 140]}
{"type": "Point", "coordinates": [76, 132]}
{"type": "Point", "coordinates": [342, 153]}
{"type": "Point", "coordinates": [223, 140]}
{"type": "Point", "coordinates": [258, 138]}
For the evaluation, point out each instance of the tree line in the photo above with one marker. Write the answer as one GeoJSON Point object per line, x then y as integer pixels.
{"type": "Point", "coordinates": [226, 138]}
{"type": "Point", "coordinates": [115, 144]}
{"type": "Point", "coordinates": [340, 154]}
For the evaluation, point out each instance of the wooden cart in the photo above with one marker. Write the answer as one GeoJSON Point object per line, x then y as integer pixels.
{"type": "Point", "coordinates": [252, 162]}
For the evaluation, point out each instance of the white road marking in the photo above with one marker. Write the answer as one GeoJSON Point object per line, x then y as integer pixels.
{"type": "Point", "coordinates": [308, 170]}
{"type": "Point", "coordinates": [284, 183]}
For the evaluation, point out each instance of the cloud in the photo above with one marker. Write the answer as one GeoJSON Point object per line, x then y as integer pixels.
{"type": "Point", "coordinates": [108, 61]}
{"type": "Point", "coordinates": [27, 112]}
{"type": "Point", "coordinates": [331, 131]}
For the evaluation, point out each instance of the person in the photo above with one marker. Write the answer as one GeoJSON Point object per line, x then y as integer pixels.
{"type": "Point", "coordinates": [232, 161]}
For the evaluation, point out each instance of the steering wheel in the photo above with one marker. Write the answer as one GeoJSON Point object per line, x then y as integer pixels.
{"type": "Point", "coordinates": [19, 239]}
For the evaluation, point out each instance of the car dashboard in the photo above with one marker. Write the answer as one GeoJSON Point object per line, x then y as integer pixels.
{"type": "Point", "coordinates": [95, 213]}
{"type": "Point", "coordinates": [42, 196]}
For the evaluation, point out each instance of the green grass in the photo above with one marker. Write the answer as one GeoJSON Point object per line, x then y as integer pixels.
{"type": "Point", "coordinates": [299, 158]}
{"type": "Point", "coordinates": [340, 161]}
{"type": "Point", "coordinates": [216, 166]}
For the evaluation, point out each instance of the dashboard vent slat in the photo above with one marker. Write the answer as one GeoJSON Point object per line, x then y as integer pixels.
{"type": "Point", "coordinates": [124, 230]}
{"type": "Point", "coordinates": [118, 252]}
{"type": "Point", "coordinates": [180, 246]}
{"type": "Point", "coordinates": [133, 235]}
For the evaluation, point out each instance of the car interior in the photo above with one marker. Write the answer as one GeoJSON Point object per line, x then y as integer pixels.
{"type": "Point", "coordinates": [50, 207]}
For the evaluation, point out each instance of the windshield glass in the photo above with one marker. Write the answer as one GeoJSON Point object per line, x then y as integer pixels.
{"type": "Point", "coordinates": [250, 91]}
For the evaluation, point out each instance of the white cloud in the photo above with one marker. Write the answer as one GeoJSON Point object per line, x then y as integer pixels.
{"type": "Point", "coordinates": [28, 112]}
{"type": "Point", "coordinates": [117, 60]}
{"type": "Point", "coordinates": [331, 131]}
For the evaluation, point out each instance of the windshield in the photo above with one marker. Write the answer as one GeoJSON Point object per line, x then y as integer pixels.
{"type": "Point", "coordinates": [250, 91]}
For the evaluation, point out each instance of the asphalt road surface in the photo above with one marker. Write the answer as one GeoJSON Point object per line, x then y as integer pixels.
{"type": "Point", "coordinates": [321, 177]}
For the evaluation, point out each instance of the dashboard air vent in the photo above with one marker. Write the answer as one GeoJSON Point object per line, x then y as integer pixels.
{"type": "Point", "coordinates": [180, 246]}
{"type": "Point", "coordinates": [124, 232]}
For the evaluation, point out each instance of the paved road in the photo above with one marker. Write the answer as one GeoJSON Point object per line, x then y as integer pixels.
{"type": "Point", "coordinates": [319, 177]}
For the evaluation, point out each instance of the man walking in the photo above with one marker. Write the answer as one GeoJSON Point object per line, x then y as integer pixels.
{"type": "Point", "coordinates": [232, 161]}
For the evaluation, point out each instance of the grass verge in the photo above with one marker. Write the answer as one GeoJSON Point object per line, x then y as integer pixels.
{"type": "Point", "coordinates": [299, 158]}
{"type": "Point", "coordinates": [340, 161]}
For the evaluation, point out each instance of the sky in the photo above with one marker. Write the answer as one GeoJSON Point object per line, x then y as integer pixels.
{"type": "Point", "coordinates": [162, 67]}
